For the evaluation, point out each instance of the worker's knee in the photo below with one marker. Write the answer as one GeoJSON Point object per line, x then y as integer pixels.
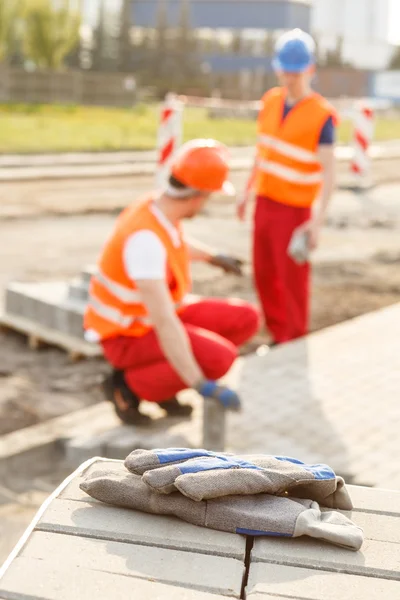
{"type": "Point", "coordinates": [251, 319]}
{"type": "Point", "coordinates": [247, 321]}
{"type": "Point", "coordinates": [217, 365]}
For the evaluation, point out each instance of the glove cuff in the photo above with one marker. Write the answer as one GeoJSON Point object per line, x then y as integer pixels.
{"type": "Point", "coordinates": [206, 388]}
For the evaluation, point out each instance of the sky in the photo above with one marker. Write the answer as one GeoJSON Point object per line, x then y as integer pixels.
{"type": "Point", "coordinates": [394, 21]}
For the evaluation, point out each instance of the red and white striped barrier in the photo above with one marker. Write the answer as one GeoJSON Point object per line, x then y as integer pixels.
{"type": "Point", "coordinates": [169, 136]}
{"type": "Point", "coordinates": [364, 122]}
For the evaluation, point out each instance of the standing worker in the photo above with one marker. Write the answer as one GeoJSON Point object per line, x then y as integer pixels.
{"type": "Point", "coordinates": [294, 167]}
{"type": "Point", "coordinates": [158, 340]}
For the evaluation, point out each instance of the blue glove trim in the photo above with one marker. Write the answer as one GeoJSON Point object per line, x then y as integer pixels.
{"type": "Point", "coordinates": [208, 388]}
{"type": "Point", "coordinates": [213, 464]}
{"type": "Point", "coordinates": [171, 455]}
{"type": "Point", "coordinates": [322, 472]}
{"type": "Point", "coordinates": [257, 533]}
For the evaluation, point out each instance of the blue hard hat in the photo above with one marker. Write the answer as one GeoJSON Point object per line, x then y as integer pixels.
{"type": "Point", "coordinates": [294, 52]}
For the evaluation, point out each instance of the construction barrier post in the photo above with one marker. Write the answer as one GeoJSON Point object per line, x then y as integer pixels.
{"type": "Point", "coordinates": [169, 136]}
{"type": "Point", "coordinates": [363, 131]}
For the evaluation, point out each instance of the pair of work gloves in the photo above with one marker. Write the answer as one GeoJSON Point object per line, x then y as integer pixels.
{"type": "Point", "coordinates": [258, 495]}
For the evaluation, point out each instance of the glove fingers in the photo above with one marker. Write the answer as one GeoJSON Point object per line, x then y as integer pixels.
{"type": "Point", "coordinates": [164, 480]}
{"type": "Point", "coordinates": [241, 481]}
{"type": "Point", "coordinates": [129, 491]}
{"type": "Point", "coordinates": [331, 526]}
{"type": "Point", "coordinates": [140, 461]}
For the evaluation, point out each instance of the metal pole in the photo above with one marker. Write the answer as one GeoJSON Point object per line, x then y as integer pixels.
{"type": "Point", "coordinates": [213, 425]}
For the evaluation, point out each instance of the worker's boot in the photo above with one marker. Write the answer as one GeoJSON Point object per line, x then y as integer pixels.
{"type": "Point", "coordinates": [126, 403]}
{"type": "Point", "coordinates": [174, 408]}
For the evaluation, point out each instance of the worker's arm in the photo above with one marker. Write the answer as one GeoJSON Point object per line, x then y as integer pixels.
{"type": "Point", "coordinates": [243, 200]}
{"type": "Point", "coordinates": [169, 330]}
{"type": "Point", "coordinates": [198, 251]}
{"type": "Point", "coordinates": [326, 156]}
{"type": "Point", "coordinates": [175, 343]}
{"type": "Point", "coordinates": [203, 253]}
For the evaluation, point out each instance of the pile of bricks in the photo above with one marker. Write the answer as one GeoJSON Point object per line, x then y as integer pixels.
{"type": "Point", "coordinates": [49, 310]}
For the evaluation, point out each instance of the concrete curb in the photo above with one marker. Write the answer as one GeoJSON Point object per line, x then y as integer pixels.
{"type": "Point", "coordinates": [38, 449]}
{"type": "Point", "coordinates": [141, 166]}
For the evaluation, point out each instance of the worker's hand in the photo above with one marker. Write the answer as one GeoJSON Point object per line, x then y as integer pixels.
{"type": "Point", "coordinates": [313, 230]}
{"type": "Point", "coordinates": [227, 397]}
{"type": "Point", "coordinates": [229, 264]}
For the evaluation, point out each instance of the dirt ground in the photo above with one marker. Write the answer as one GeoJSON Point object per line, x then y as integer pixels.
{"type": "Point", "coordinates": [37, 244]}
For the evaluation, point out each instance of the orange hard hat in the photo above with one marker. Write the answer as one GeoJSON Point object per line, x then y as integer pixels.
{"type": "Point", "coordinates": [202, 165]}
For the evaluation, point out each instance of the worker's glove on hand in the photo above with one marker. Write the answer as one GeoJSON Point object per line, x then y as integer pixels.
{"type": "Point", "coordinates": [229, 264]}
{"type": "Point", "coordinates": [299, 249]}
{"type": "Point", "coordinates": [253, 515]}
{"type": "Point", "coordinates": [227, 397]}
{"type": "Point", "coordinates": [202, 475]}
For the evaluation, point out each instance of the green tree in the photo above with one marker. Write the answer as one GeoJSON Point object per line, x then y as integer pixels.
{"type": "Point", "coordinates": [51, 32]}
{"type": "Point", "coordinates": [10, 13]}
{"type": "Point", "coordinates": [124, 39]}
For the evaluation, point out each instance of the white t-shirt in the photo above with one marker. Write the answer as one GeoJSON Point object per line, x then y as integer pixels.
{"type": "Point", "coordinates": [144, 254]}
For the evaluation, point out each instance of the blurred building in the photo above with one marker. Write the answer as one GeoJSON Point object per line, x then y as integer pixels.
{"type": "Point", "coordinates": [232, 35]}
{"type": "Point", "coordinates": [361, 27]}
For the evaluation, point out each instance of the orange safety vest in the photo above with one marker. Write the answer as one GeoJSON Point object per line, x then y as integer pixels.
{"type": "Point", "coordinates": [115, 307]}
{"type": "Point", "coordinates": [288, 169]}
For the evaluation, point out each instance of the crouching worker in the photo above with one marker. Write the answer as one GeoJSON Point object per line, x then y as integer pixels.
{"type": "Point", "coordinates": [159, 340]}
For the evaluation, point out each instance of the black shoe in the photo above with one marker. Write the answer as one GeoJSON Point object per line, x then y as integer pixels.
{"type": "Point", "coordinates": [126, 403]}
{"type": "Point", "coordinates": [173, 408]}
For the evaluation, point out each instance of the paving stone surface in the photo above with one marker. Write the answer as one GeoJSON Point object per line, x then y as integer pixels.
{"type": "Point", "coordinates": [330, 398]}
{"type": "Point", "coordinates": [313, 584]}
{"type": "Point", "coordinates": [182, 569]}
{"type": "Point", "coordinates": [28, 579]}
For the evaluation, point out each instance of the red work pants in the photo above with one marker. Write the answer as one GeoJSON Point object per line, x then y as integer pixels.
{"type": "Point", "coordinates": [282, 285]}
{"type": "Point", "coordinates": [215, 329]}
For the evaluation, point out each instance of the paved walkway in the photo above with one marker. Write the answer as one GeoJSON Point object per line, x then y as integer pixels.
{"type": "Point", "coordinates": [332, 398]}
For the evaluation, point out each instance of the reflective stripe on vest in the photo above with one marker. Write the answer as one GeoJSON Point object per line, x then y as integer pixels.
{"type": "Point", "coordinates": [124, 294]}
{"type": "Point", "coordinates": [288, 174]}
{"type": "Point", "coordinates": [114, 315]}
{"type": "Point", "coordinates": [287, 149]}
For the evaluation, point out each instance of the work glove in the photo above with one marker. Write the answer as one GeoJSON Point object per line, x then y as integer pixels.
{"type": "Point", "coordinates": [249, 515]}
{"type": "Point", "coordinates": [229, 264]}
{"type": "Point", "coordinates": [227, 397]}
{"type": "Point", "coordinates": [299, 247]}
{"type": "Point", "coordinates": [203, 475]}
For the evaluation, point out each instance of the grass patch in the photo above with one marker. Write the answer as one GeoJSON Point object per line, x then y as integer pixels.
{"type": "Point", "coordinates": [54, 128]}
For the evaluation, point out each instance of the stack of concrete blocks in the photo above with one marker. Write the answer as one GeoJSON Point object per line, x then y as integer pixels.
{"type": "Point", "coordinates": [48, 306]}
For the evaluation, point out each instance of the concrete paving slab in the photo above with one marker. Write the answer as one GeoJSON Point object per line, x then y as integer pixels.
{"type": "Point", "coordinates": [375, 559]}
{"type": "Point", "coordinates": [100, 521]}
{"type": "Point", "coordinates": [307, 584]}
{"type": "Point", "coordinates": [29, 578]}
{"type": "Point", "coordinates": [381, 528]}
{"type": "Point", "coordinates": [183, 569]}
{"type": "Point", "coordinates": [371, 500]}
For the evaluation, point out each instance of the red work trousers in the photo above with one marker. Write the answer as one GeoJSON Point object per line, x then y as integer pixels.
{"type": "Point", "coordinates": [283, 286]}
{"type": "Point", "coordinates": [215, 328]}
